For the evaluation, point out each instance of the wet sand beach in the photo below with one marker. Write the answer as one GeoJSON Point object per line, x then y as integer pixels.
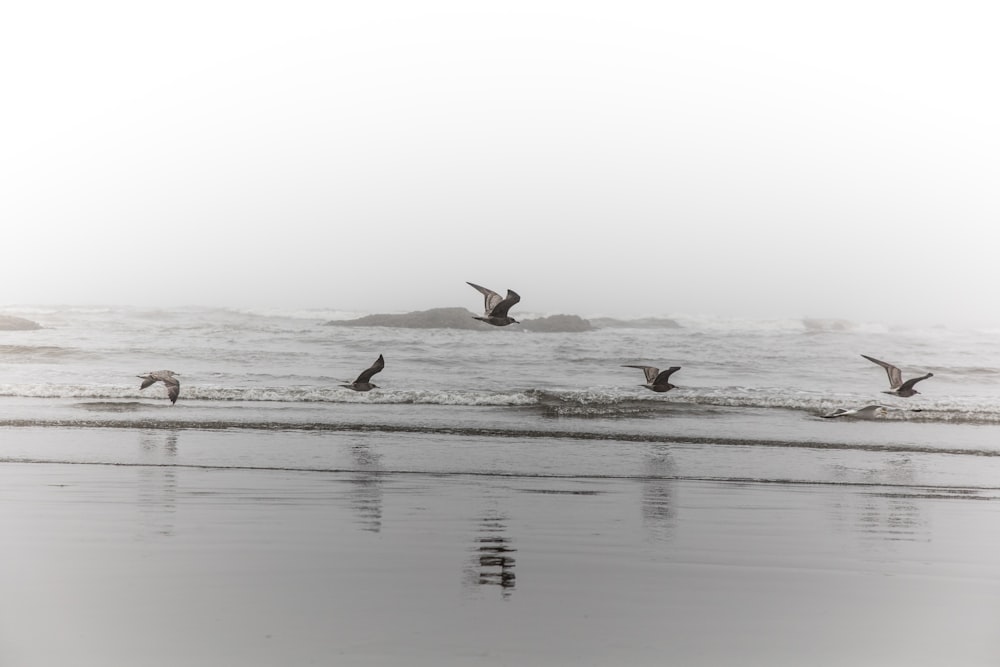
{"type": "Point", "coordinates": [160, 547]}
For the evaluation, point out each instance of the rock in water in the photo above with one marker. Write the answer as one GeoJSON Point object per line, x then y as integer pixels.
{"type": "Point", "coordinates": [460, 318]}
{"type": "Point", "coordinates": [11, 323]}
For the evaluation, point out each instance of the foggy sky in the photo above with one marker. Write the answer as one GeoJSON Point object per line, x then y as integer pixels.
{"type": "Point", "coordinates": [765, 159]}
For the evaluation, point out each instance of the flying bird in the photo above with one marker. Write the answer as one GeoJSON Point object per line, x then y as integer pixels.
{"type": "Point", "coordinates": [656, 380]}
{"type": "Point", "coordinates": [867, 412]}
{"type": "Point", "coordinates": [896, 385]}
{"type": "Point", "coordinates": [496, 308]}
{"type": "Point", "coordinates": [363, 382]}
{"type": "Point", "coordinates": [167, 378]}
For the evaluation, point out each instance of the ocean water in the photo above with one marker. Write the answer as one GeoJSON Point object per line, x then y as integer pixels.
{"type": "Point", "coordinates": [762, 384]}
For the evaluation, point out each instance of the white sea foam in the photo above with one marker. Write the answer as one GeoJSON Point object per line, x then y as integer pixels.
{"type": "Point", "coordinates": [273, 394]}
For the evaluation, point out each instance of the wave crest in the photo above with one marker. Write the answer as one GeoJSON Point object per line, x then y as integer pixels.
{"type": "Point", "coordinates": [587, 403]}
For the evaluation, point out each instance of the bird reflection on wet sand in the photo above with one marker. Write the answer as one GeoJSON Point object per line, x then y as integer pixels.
{"type": "Point", "coordinates": [492, 555]}
{"type": "Point", "coordinates": [889, 511]}
{"type": "Point", "coordinates": [157, 486]}
{"type": "Point", "coordinates": [659, 514]}
{"type": "Point", "coordinates": [152, 443]}
{"type": "Point", "coordinates": [366, 493]}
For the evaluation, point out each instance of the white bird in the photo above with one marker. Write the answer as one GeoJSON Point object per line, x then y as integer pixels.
{"type": "Point", "coordinates": [496, 308]}
{"type": "Point", "coordinates": [363, 383]}
{"type": "Point", "coordinates": [896, 385]}
{"type": "Point", "coordinates": [867, 412]}
{"type": "Point", "coordinates": [656, 380]}
{"type": "Point", "coordinates": [167, 378]}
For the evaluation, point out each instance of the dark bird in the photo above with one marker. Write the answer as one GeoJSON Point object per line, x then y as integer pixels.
{"type": "Point", "coordinates": [496, 308]}
{"type": "Point", "coordinates": [363, 382]}
{"type": "Point", "coordinates": [896, 385]}
{"type": "Point", "coordinates": [167, 378]}
{"type": "Point", "coordinates": [656, 380]}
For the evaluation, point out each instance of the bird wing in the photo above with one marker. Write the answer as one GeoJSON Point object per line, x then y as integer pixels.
{"type": "Point", "coordinates": [867, 411]}
{"type": "Point", "coordinates": [375, 368]}
{"type": "Point", "coordinates": [173, 388]}
{"type": "Point", "coordinates": [146, 381]}
{"type": "Point", "coordinates": [664, 377]}
{"type": "Point", "coordinates": [912, 381]}
{"type": "Point", "coordinates": [895, 375]}
{"type": "Point", "coordinates": [491, 297]}
{"type": "Point", "coordinates": [650, 371]}
{"type": "Point", "coordinates": [501, 308]}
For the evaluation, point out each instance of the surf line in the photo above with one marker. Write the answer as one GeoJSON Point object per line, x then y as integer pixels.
{"type": "Point", "coordinates": [489, 433]}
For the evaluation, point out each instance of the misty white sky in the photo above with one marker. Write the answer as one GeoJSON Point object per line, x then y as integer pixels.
{"type": "Point", "coordinates": [762, 159]}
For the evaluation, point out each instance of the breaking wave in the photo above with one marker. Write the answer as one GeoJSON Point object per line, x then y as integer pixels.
{"type": "Point", "coordinates": [600, 403]}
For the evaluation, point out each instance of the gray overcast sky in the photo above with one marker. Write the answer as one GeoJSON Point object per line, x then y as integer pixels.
{"type": "Point", "coordinates": [748, 159]}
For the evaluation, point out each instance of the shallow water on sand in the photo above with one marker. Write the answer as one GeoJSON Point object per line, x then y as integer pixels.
{"type": "Point", "coordinates": [158, 548]}
{"type": "Point", "coordinates": [474, 441]}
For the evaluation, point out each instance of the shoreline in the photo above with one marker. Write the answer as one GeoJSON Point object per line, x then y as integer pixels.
{"type": "Point", "coordinates": [560, 454]}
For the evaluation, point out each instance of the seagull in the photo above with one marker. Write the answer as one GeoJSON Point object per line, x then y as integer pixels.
{"type": "Point", "coordinates": [167, 378]}
{"type": "Point", "coordinates": [896, 385]}
{"type": "Point", "coordinates": [867, 412]}
{"type": "Point", "coordinates": [362, 383]}
{"type": "Point", "coordinates": [656, 380]}
{"type": "Point", "coordinates": [496, 308]}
